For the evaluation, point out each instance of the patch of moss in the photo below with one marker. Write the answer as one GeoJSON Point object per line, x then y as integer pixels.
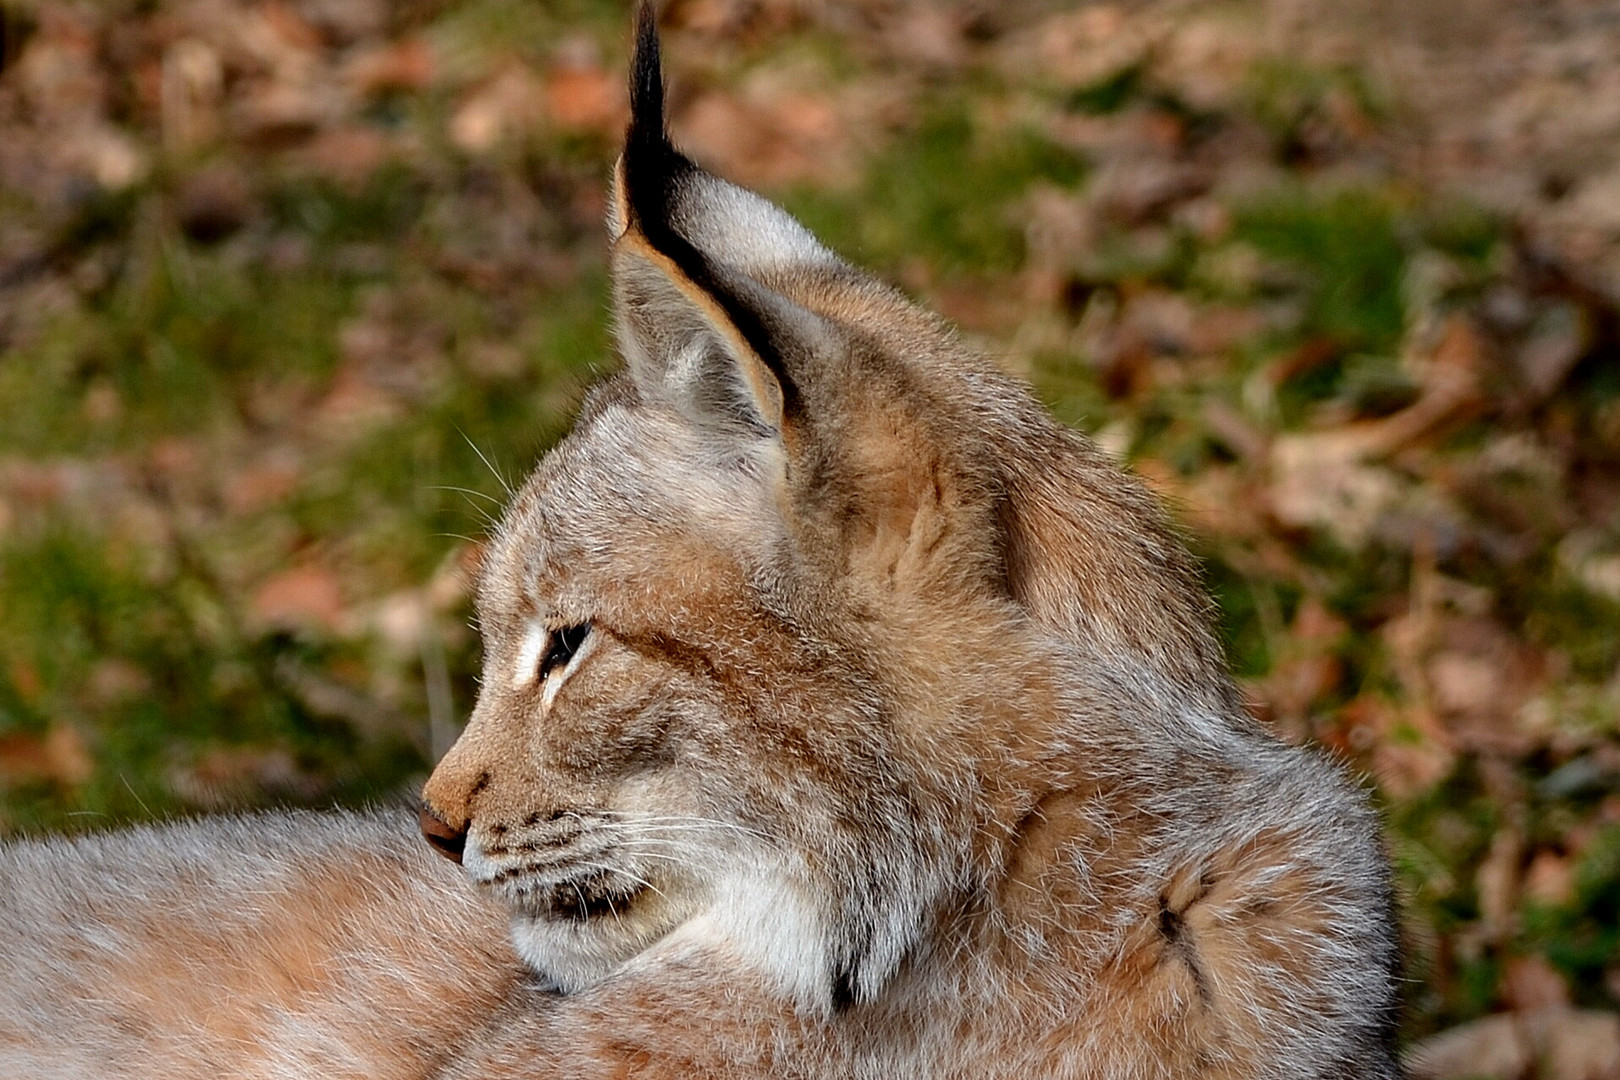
{"type": "Point", "coordinates": [1346, 247]}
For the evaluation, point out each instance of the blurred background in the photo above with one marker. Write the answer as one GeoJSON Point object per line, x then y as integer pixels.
{"type": "Point", "coordinates": [291, 290]}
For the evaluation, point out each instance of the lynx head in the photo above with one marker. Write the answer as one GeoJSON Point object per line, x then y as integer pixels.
{"type": "Point", "coordinates": [769, 636]}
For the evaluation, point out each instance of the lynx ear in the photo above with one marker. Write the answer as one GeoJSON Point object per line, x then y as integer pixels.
{"type": "Point", "coordinates": [696, 326]}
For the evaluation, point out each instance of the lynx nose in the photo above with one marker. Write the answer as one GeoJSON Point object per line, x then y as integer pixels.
{"type": "Point", "coordinates": [446, 840]}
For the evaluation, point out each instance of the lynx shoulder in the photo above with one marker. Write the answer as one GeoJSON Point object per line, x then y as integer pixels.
{"type": "Point", "coordinates": [842, 715]}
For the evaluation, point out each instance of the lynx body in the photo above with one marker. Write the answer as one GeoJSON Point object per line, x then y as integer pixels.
{"type": "Point", "coordinates": [842, 715]}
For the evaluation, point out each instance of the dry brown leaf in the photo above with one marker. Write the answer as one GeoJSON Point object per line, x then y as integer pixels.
{"type": "Point", "coordinates": [768, 136]}
{"type": "Point", "coordinates": [1576, 1044]}
{"type": "Point", "coordinates": [1450, 388]}
{"type": "Point", "coordinates": [114, 679]}
{"type": "Point", "coordinates": [1547, 1044]}
{"type": "Point", "coordinates": [175, 459]}
{"type": "Point", "coordinates": [395, 65]}
{"type": "Point", "coordinates": [58, 72]}
{"type": "Point", "coordinates": [224, 777]}
{"type": "Point", "coordinates": [582, 97]}
{"type": "Point", "coordinates": [1414, 756]}
{"type": "Point", "coordinates": [1135, 190]}
{"type": "Point", "coordinates": [261, 485]}
{"type": "Point", "coordinates": [1333, 479]}
{"type": "Point", "coordinates": [401, 621]}
{"type": "Point", "coordinates": [1296, 682]}
{"type": "Point", "coordinates": [1489, 1049]}
{"type": "Point", "coordinates": [506, 105]}
{"type": "Point", "coordinates": [25, 679]}
{"type": "Point", "coordinates": [1218, 329]}
{"type": "Point", "coordinates": [1321, 480]}
{"type": "Point", "coordinates": [1209, 60]}
{"type": "Point", "coordinates": [930, 34]}
{"type": "Point", "coordinates": [1531, 984]}
{"type": "Point", "coordinates": [1561, 336]}
{"type": "Point", "coordinates": [190, 93]}
{"type": "Point", "coordinates": [1084, 47]}
{"type": "Point", "coordinates": [290, 26]}
{"type": "Point", "coordinates": [1233, 430]}
{"type": "Point", "coordinates": [353, 406]}
{"type": "Point", "coordinates": [304, 597]}
{"type": "Point", "coordinates": [350, 153]}
{"type": "Point", "coordinates": [1497, 883]}
{"type": "Point", "coordinates": [282, 113]}
{"type": "Point", "coordinates": [59, 756]}
{"type": "Point", "coordinates": [1550, 879]}
{"type": "Point", "coordinates": [1306, 668]}
{"type": "Point", "coordinates": [1465, 683]}
{"type": "Point", "coordinates": [1222, 501]}
{"type": "Point", "coordinates": [1478, 679]}
{"type": "Point", "coordinates": [1597, 201]}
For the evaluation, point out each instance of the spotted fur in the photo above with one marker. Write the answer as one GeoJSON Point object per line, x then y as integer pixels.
{"type": "Point", "coordinates": [843, 715]}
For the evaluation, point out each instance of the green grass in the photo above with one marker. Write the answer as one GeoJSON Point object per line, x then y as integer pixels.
{"type": "Point", "coordinates": [142, 642]}
{"type": "Point", "coordinates": [1581, 938]}
{"type": "Point", "coordinates": [946, 191]}
{"type": "Point", "coordinates": [1345, 254]}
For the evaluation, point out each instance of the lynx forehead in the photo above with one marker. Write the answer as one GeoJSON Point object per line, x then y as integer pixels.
{"type": "Point", "coordinates": [819, 654]}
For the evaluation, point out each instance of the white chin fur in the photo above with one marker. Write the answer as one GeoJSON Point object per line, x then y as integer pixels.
{"type": "Point", "coordinates": [575, 954]}
{"type": "Point", "coordinates": [757, 918]}
{"type": "Point", "coordinates": [765, 921]}
{"type": "Point", "coordinates": [571, 956]}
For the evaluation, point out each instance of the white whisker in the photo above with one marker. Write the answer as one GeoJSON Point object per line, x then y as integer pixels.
{"type": "Point", "coordinates": [499, 478]}
{"type": "Point", "coordinates": [678, 821]}
{"type": "Point", "coordinates": [643, 882]}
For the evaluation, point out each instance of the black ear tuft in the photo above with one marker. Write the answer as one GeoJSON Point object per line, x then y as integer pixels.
{"type": "Point", "coordinates": [647, 148]}
{"type": "Point", "coordinates": [653, 174]}
{"type": "Point", "coordinates": [653, 168]}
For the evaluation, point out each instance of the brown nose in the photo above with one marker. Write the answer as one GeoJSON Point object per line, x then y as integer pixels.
{"type": "Point", "coordinates": [446, 840]}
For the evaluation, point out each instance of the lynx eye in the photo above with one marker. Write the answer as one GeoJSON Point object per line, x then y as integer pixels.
{"type": "Point", "coordinates": [564, 643]}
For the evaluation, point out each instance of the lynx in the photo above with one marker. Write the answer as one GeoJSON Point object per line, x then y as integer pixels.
{"type": "Point", "coordinates": [842, 715]}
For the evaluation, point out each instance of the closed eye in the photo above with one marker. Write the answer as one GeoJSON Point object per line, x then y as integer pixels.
{"type": "Point", "coordinates": [564, 643]}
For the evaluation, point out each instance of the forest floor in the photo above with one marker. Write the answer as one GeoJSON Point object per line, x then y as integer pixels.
{"type": "Point", "coordinates": [291, 289]}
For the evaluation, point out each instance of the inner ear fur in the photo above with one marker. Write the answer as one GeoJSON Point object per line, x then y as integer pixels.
{"type": "Point", "coordinates": [682, 347]}
{"type": "Point", "coordinates": [696, 329]}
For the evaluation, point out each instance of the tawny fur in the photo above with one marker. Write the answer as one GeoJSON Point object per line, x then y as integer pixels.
{"type": "Point", "coordinates": [890, 740]}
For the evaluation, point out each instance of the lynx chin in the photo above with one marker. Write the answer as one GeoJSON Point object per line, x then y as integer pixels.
{"type": "Point", "coordinates": [843, 715]}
